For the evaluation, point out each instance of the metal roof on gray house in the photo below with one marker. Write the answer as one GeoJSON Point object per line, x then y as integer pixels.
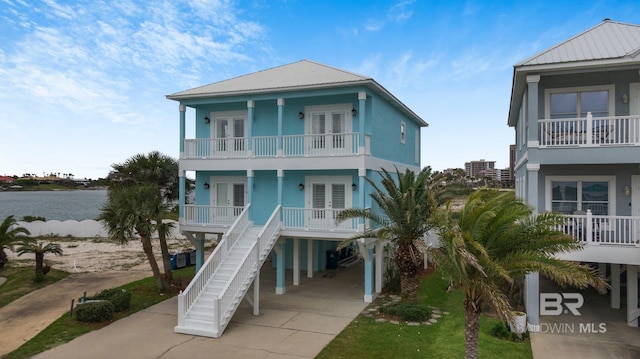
{"type": "Point", "coordinates": [609, 44]}
{"type": "Point", "coordinates": [297, 76]}
{"type": "Point", "coordinates": [607, 40]}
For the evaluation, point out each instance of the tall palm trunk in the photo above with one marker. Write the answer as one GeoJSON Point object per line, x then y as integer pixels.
{"type": "Point", "coordinates": [166, 260]}
{"type": "Point", "coordinates": [471, 328]}
{"type": "Point", "coordinates": [408, 268]}
{"type": "Point", "coordinates": [148, 250]}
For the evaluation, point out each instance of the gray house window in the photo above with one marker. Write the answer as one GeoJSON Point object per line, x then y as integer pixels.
{"type": "Point", "coordinates": [570, 196]}
{"type": "Point", "coordinates": [577, 104]}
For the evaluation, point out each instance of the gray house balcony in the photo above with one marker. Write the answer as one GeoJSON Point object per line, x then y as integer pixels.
{"type": "Point", "coordinates": [605, 239]}
{"type": "Point", "coordinates": [590, 131]}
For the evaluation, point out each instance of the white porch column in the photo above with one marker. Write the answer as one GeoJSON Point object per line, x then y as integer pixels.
{"type": "Point", "coordinates": [532, 299]}
{"type": "Point", "coordinates": [632, 295]}
{"type": "Point", "coordinates": [250, 107]}
{"type": "Point", "coordinates": [296, 261]}
{"type": "Point", "coordinates": [309, 258]}
{"type": "Point", "coordinates": [379, 265]}
{"type": "Point", "coordinates": [280, 113]}
{"type": "Point", "coordinates": [362, 111]}
{"type": "Point", "coordinates": [615, 286]}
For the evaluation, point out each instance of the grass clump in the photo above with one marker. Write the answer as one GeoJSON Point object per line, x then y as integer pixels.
{"type": "Point", "coordinates": [410, 312]}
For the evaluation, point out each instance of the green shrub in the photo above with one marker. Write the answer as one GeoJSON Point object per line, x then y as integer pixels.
{"type": "Point", "coordinates": [120, 298]}
{"type": "Point", "coordinates": [410, 312]}
{"type": "Point", "coordinates": [500, 330]}
{"type": "Point", "coordinates": [33, 218]}
{"type": "Point", "coordinates": [94, 312]}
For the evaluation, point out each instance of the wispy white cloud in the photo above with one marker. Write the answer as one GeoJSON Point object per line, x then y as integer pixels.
{"type": "Point", "coordinates": [471, 8]}
{"type": "Point", "coordinates": [97, 56]}
{"type": "Point", "coordinates": [397, 13]}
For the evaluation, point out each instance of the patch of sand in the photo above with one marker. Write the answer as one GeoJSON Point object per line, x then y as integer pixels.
{"type": "Point", "coordinates": [98, 254]}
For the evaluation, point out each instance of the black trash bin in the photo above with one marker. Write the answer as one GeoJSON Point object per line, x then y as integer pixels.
{"type": "Point", "coordinates": [333, 257]}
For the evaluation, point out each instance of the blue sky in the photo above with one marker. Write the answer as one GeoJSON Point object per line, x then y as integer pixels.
{"type": "Point", "coordinates": [83, 83]}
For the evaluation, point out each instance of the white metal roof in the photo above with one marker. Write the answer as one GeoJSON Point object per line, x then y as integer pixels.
{"type": "Point", "coordinates": [301, 75]}
{"type": "Point", "coordinates": [607, 40]}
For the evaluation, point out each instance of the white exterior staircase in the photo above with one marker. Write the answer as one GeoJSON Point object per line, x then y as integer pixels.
{"type": "Point", "coordinates": [206, 306]}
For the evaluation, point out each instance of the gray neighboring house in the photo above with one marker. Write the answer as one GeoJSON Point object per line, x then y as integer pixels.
{"type": "Point", "coordinates": [576, 111]}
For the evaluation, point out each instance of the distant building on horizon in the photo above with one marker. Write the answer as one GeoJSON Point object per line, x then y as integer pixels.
{"type": "Point", "coordinates": [479, 169]}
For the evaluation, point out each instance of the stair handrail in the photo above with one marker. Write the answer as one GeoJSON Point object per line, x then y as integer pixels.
{"type": "Point", "coordinates": [188, 296]}
{"type": "Point", "coordinates": [246, 268]}
{"type": "Point", "coordinates": [274, 223]}
{"type": "Point", "coordinates": [237, 228]}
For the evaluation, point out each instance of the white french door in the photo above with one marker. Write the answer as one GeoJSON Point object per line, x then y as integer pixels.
{"type": "Point", "coordinates": [325, 198]}
{"type": "Point", "coordinates": [228, 198]}
{"type": "Point", "coordinates": [327, 127]}
{"type": "Point", "coordinates": [229, 135]}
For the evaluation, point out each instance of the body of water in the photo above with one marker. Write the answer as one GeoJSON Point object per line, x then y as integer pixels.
{"type": "Point", "coordinates": [61, 205]}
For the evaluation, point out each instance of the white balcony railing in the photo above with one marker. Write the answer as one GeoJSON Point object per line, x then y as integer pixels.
{"type": "Point", "coordinates": [590, 131]}
{"type": "Point", "coordinates": [232, 147]}
{"type": "Point", "coordinates": [339, 144]}
{"type": "Point", "coordinates": [211, 215]}
{"type": "Point", "coordinates": [603, 230]}
{"type": "Point", "coordinates": [316, 219]}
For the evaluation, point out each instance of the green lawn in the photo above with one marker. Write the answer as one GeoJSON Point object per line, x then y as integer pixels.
{"type": "Point", "coordinates": [20, 282]}
{"type": "Point", "coordinates": [64, 329]}
{"type": "Point", "coordinates": [365, 338]}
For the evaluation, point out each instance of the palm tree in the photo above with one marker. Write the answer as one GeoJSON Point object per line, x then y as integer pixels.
{"type": "Point", "coordinates": [131, 211]}
{"type": "Point", "coordinates": [10, 234]}
{"type": "Point", "coordinates": [160, 171]}
{"type": "Point", "coordinates": [405, 206]}
{"type": "Point", "coordinates": [31, 245]}
{"type": "Point", "coordinates": [496, 240]}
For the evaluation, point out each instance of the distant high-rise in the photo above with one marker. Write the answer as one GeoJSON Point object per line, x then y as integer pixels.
{"type": "Point", "coordinates": [479, 169]}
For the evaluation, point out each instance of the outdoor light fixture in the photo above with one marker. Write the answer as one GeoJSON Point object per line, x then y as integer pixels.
{"type": "Point", "coordinates": [627, 191]}
{"type": "Point", "coordinates": [354, 186]}
{"type": "Point", "coordinates": [625, 98]}
{"type": "Point", "coordinates": [353, 112]}
{"type": "Point", "coordinates": [206, 185]}
{"type": "Point", "coordinates": [300, 115]}
{"type": "Point", "coordinates": [301, 186]}
{"type": "Point", "coordinates": [206, 119]}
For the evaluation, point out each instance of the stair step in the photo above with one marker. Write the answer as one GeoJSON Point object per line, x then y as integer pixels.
{"type": "Point", "coordinates": [199, 320]}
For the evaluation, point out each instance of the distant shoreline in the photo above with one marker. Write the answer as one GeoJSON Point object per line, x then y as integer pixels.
{"type": "Point", "coordinates": [32, 189]}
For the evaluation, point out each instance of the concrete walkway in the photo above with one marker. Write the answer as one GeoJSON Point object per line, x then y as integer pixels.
{"type": "Point", "coordinates": [297, 324]}
{"type": "Point", "coordinates": [25, 317]}
{"type": "Point", "coordinates": [599, 332]}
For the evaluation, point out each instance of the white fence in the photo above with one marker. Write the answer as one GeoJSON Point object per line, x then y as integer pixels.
{"type": "Point", "coordinates": [88, 228]}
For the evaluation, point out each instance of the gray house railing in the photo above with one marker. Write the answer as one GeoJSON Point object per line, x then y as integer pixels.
{"type": "Point", "coordinates": [590, 131]}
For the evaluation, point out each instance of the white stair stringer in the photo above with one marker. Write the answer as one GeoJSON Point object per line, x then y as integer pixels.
{"type": "Point", "coordinates": [212, 309]}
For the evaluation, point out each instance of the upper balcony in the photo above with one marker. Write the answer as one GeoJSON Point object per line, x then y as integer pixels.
{"type": "Point", "coordinates": [590, 131]}
{"type": "Point", "coordinates": [322, 145]}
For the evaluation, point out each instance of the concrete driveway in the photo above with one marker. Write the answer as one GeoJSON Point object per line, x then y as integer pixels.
{"type": "Point", "coordinates": [599, 332]}
{"type": "Point", "coordinates": [297, 324]}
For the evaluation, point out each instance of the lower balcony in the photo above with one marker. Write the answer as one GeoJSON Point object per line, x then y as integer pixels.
{"type": "Point", "coordinates": [606, 239]}
{"type": "Point", "coordinates": [296, 221]}
{"type": "Point", "coordinates": [602, 230]}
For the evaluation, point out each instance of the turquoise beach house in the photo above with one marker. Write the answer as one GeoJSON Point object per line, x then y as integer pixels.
{"type": "Point", "coordinates": [276, 154]}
